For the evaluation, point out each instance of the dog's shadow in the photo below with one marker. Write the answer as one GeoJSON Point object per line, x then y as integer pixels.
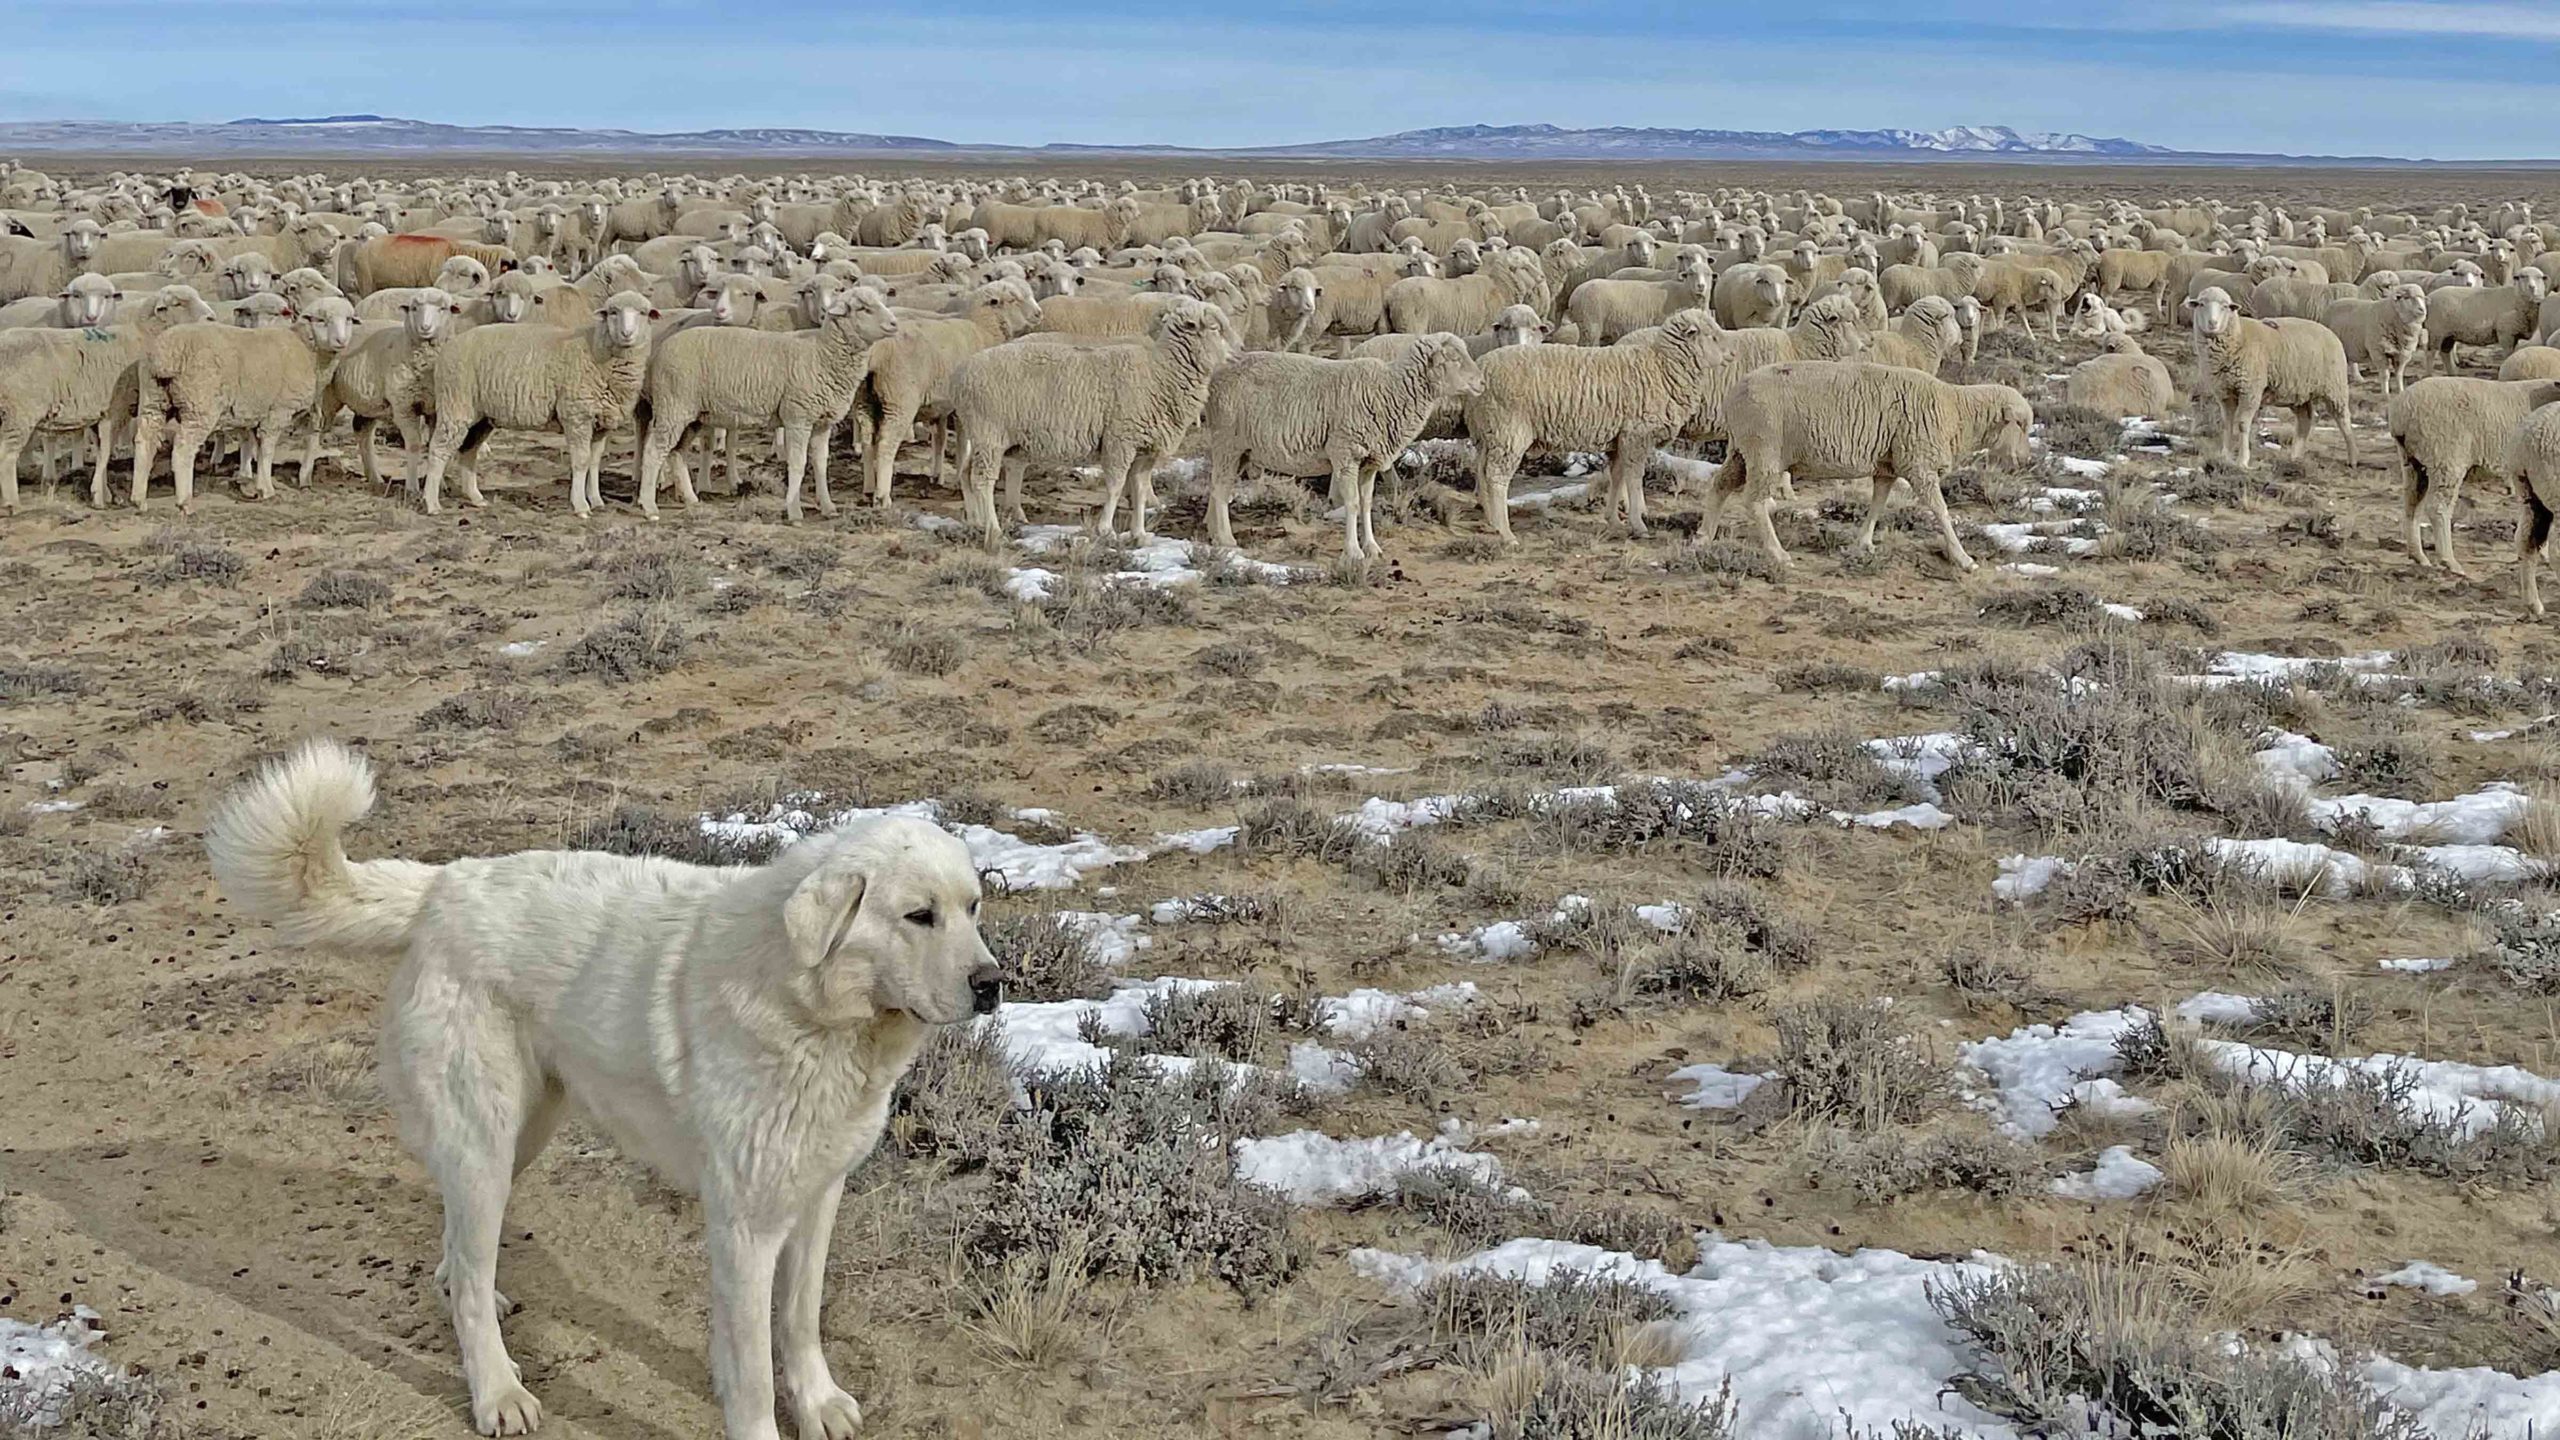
{"type": "Point", "coordinates": [271, 1238]}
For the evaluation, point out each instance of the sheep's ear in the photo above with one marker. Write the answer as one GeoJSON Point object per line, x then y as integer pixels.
{"type": "Point", "coordinates": [653, 312]}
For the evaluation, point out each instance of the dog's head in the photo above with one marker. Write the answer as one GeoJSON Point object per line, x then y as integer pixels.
{"type": "Point", "coordinates": [888, 920]}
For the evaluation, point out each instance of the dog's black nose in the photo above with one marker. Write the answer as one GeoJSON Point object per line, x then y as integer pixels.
{"type": "Point", "coordinates": [986, 989]}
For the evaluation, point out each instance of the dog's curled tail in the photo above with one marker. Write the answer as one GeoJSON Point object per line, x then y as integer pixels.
{"type": "Point", "coordinates": [275, 852]}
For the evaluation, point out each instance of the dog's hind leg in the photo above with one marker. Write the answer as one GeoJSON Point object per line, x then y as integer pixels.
{"type": "Point", "coordinates": [821, 1408]}
{"type": "Point", "coordinates": [465, 1094]}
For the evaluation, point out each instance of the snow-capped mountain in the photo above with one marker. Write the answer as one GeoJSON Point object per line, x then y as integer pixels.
{"type": "Point", "coordinates": [1626, 142]}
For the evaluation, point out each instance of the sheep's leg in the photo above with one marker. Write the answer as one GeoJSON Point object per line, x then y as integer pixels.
{"type": "Point", "coordinates": [470, 468]}
{"type": "Point", "coordinates": [1013, 512]}
{"type": "Point", "coordinates": [1115, 486]}
{"type": "Point", "coordinates": [660, 438]}
{"type": "Point", "coordinates": [1346, 490]}
{"type": "Point", "coordinates": [2346, 429]}
{"type": "Point", "coordinates": [183, 445]}
{"type": "Point", "coordinates": [368, 432]}
{"type": "Point", "coordinates": [1877, 500]}
{"type": "Point", "coordinates": [1926, 482]}
{"type": "Point", "coordinates": [1369, 512]}
{"type": "Point", "coordinates": [1495, 463]}
{"type": "Point", "coordinates": [2446, 502]}
{"type": "Point", "coordinates": [1142, 494]}
{"type": "Point", "coordinates": [106, 452]}
{"type": "Point", "coordinates": [795, 462]}
{"type": "Point", "coordinates": [2413, 505]}
{"type": "Point", "coordinates": [822, 439]}
{"type": "Point", "coordinates": [2533, 535]}
{"type": "Point", "coordinates": [1727, 481]}
{"type": "Point", "coordinates": [264, 438]}
{"type": "Point", "coordinates": [882, 458]}
{"type": "Point", "coordinates": [1223, 465]}
{"type": "Point", "coordinates": [2301, 432]}
{"type": "Point", "coordinates": [584, 495]}
{"type": "Point", "coordinates": [13, 442]}
{"type": "Point", "coordinates": [147, 425]}
{"type": "Point", "coordinates": [2244, 438]}
{"type": "Point", "coordinates": [441, 446]}
{"type": "Point", "coordinates": [1626, 481]}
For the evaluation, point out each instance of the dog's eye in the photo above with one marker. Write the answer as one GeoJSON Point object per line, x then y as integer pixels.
{"type": "Point", "coordinates": [920, 917]}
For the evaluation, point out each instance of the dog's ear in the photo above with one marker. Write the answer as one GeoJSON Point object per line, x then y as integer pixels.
{"type": "Point", "coordinates": [822, 908]}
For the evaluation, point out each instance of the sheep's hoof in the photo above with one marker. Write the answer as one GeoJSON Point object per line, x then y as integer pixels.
{"type": "Point", "coordinates": [791, 514]}
{"type": "Point", "coordinates": [828, 511]}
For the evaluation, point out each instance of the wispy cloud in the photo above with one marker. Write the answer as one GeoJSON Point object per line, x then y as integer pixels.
{"type": "Point", "coordinates": [2403, 17]}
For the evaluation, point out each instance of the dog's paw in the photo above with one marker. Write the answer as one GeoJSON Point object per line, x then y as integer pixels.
{"type": "Point", "coordinates": [511, 1411]}
{"type": "Point", "coordinates": [829, 1414]}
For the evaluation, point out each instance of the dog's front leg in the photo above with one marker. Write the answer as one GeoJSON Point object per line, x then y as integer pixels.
{"type": "Point", "coordinates": [743, 1252]}
{"type": "Point", "coordinates": [818, 1406]}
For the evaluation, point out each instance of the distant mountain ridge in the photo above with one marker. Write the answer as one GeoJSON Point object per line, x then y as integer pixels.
{"type": "Point", "coordinates": [367, 134]}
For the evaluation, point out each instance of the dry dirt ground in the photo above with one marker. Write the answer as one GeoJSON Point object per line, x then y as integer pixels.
{"type": "Point", "coordinates": [192, 1143]}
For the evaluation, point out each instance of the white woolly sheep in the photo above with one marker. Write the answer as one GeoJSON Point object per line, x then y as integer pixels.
{"type": "Point", "coordinates": [2298, 364]}
{"type": "Point", "coordinates": [1921, 338]}
{"type": "Point", "coordinates": [1467, 303]}
{"type": "Point", "coordinates": [1852, 420]}
{"type": "Point", "coordinates": [802, 382]}
{"type": "Point", "coordinates": [460, 278]}
{"type": "Point", "coordinates": [84, 300]}
{"type": "Point", "coordinates": [2533, 458]}
{"type": "Point", "coordinates": [197, 379]}
{"type": "Point", "coordinates": [1301, 416]}
{"type": "Point", "coordinates": [387, 374]}
{"type": "Point", "coordinates": [2447, 429]}
{"type": "Point", "coordinates": [910, 374]}
{"type": "Point", "coordinates": [2122, 382]}
{"type": "Point", "coordinates": [1751, 295]}
{"type": "Point", "coordinates": [1827, 329]}
{"type": "Point", "coordinates": [582, 383]}
{"type": "Point", "coordinates": [2497, 317]}
{"type": "Point", "coordinates": [2385, 333]}
{"type": "Point", "coordinates": [2531, 362]}
{"type": "Point", "coordinates": [1604, 310]}
{"type": "Point", "coordinates": [1623, 400]}
{"type": "Point", "coordinates": [365, 266]}
{"type": "Point", "coordinates": [1116, 405]}
{"type": "Point", "coordinates": [58, 382]}
{"type": "Point", "coordinates": [31, 267]}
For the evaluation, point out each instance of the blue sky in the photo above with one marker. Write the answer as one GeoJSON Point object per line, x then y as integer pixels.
{"type": "Point", "coordinates": [2452, 79]}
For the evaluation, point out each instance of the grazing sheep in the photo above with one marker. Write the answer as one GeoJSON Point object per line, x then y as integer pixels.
{"type": "Point", "coordinates": [2386, 333]}
{"type": "Point", "coordinates": [910, 374]}
{"type": "Point", "coordinates": [1302, 416]}
{"type": "Point", "coordinates": [582, 383]}
{"type": "Point", "coordinates": [1851, 420]}
{"type": "Point", "coordinates": [56, 382]}
{"type": "Point", "coordinates": [2497, 317]}
{"type": "Point", "coordinates": [2447, 429]}
{"type": "Point", "coordinates": [1624, 400]}
{"type": "Point", "coordinates": [2298, 364]}
{"type": "Point", "coordinates": [1921, 338]}
{"type": "Point", "coordinates": [801, 381]}
{"type": "Point", "coordinates": [1116, 405]}
{"type": "Point", "coordinates": [2123, 382]}
{"type": "Point", "coordinates": [387, 374]}
{"type": "Point", "coordinates": [197, 379]}
{"type": "Point", "coordinates": [1465, 304]}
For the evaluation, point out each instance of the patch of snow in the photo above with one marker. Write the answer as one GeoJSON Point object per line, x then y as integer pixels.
{"type": "Point", "coordinates": [1042, 1036]}
{"type": "Point", "coordinates": [55, 807]}
{"type": "Point", "coordinates": [2477, 818]}
{"type": "Point", "coordinates": [1313, 1168]}
{"type": "Point", "coordinates": [1114, 939]}
{"type": "Point", "coordinates": [2119, 1175]}
{"type": "Point", "coordinates": [2250, 665]}
{"type": "Point", "coordinates": [2428, 1276]}
{"type": "Point", "coordinates": [2121, 612]}
{"type": "Point", "coordinates": [1364, 1012]}
{"type": "Point", "coordinates": [1716, 1088]}
{"type": "Point", "coordinates": [1030, 583]}
{"type": "Point", "coordinates": [2035, 1069]}
{"type": "Point", "coordinates": [521, 648]}
{"type": "Point", "coordinates": [1501, 940]}
{"type": "Point", "coordinates": [2218, 1007]}
{"type": "Point", "coordinates": [44, 1360]}
{"type": "Point", "coordinates": [2472, 1401]}
{"type": "Point", "coordinates": [2419, 965]}
{"type": "Point", "coordinates": [2031, 569]}
{"type": "Point", "coordinates": [2024, 875]}
{"type": "Point", "coordinates": [1548, 499]}
{"type": "Point", "coordinates": [1809, 1338]}
{"type": "Point", "coordinates": [2296, 759]}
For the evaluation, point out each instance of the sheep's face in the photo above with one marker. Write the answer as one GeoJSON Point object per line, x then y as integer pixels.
{"type": "Point", "coordinates": [263, 312]}
{"type": "Point", "coordinates": [179, 305]}
{"type": "Point", "coordinates": [188, 259]}
{"type": "Point", "coordinates": [462, 275]}
{"type": "Point", "coordinates": [720, 297]}
{"type": "Point", "coordinates": [2408, 302]}
{"type": "Point", "coordinates": [424, 314]}
{"type": "Point", "coordinates": [86, 300]}
{"type": "Point", "coordinates": [2212, 313]}
{"type": "Point", "coordinates": [861, 317]}
{"type": "Point", "coordinates": [512, 299]}
{"type": "Point", "coordinates": [246, 275]}
{"type": "Point", "coordinates": [1296, 295]}
{"type": "Point", "coordinates": [624, 320]}
{"type": "Point", "coordinates": [2533, 283]}
{"type": "Point", "coordinates": [328, 322]}
{"type": "Point", "coordinates": [80, 239]}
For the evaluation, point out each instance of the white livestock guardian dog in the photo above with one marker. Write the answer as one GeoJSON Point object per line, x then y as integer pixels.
{"type": "Point", "coordinates": [736, 1028]}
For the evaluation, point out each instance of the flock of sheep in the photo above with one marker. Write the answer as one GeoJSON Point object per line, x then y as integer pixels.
{"type": "Point", "coordinates": [1294, 330]}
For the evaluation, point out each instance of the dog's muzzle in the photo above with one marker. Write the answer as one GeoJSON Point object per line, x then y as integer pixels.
{"type": "Point", "coordinates": [986, 989]}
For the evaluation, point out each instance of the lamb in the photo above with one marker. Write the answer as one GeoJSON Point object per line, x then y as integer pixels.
{"type": "Point", "coordinates": [583, 383]}
{"type": "Point", "coordinates": [1604, 310]}
{"type": "Point", "coordinates": [2123, 381]}
{"type": "Point", "coordinates": [84, 300]}
{"type": "Point", "coordinates": [1465, 304]}
{"type": "Point", "coordinates": [1624, 400]}
{"type": "Point", "coordinates": [1851, 420]}
{"type": "Point", "coordinates": [365, 266]}
{"type": "Point", "coordinates": [2298, 364]}
{"type": "Point", "coordinates": [1302, 416]}
{"type": "Point", "coordinates": [197, 379]}
{"type": "Point", "coordinates": [2447, 429]}
{"type": "Point", "coordinates": [1118, 405]}
{"type": "Point", "coordinates": [55, 382]}
{"type": "Point", "coordinates": [802, 382]}
{"type": "Point", "coordinates": [1921, 338]}
{"type": "Point", "coordinates": [2385, 333]}
{"type": "Point", "coordinates": [2499, 317]}
{"type": "Point", "coordinates": [910, 374]}
{"type": "Point", "coordinates": [1751, 295]}
{"type": "Point", "coordinates": [388, 374]}
{"type": "Point", "coordinates": [31, 267]}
